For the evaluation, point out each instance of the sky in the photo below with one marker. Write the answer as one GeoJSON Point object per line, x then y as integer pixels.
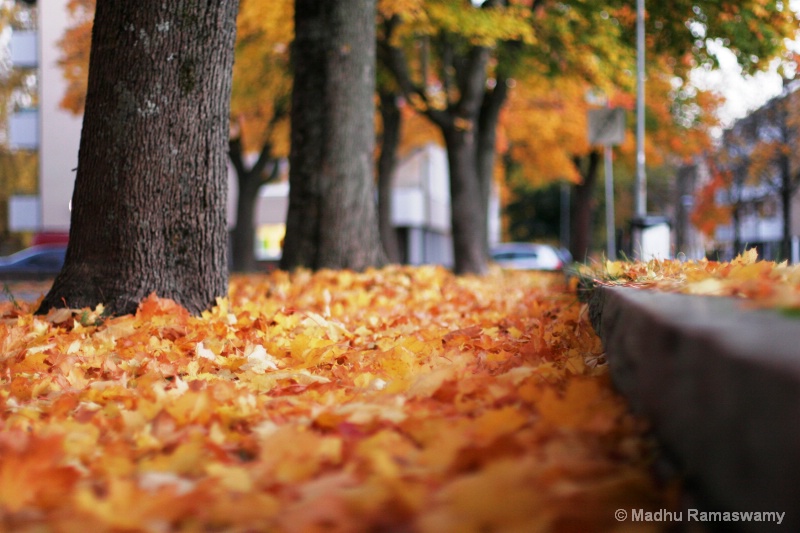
{"type": "Point", "coordinates": [742, 93]}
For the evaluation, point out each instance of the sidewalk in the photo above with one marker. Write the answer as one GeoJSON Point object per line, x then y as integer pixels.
{"type": "Point", "coordinates": [720, 384]}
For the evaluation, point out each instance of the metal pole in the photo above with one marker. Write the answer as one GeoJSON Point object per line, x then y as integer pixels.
{"type": "Point", "coordinates": [641, 179]}
{"type": "Point", "coordinates": [611, 240]}
{"type": "Point", "coordinates": [564, 215]}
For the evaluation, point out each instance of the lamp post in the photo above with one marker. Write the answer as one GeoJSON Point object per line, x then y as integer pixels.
{"type": "Point", "coordinates": [641, 178]}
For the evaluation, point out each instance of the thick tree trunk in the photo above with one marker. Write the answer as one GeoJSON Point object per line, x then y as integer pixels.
{"type": "Point", "coordinates": [391, 118]}
{"type": "Point", "coordinates": [332, 220]}
{"type": "Point", "coordinates": [466, 208]}
{"type": "Point", "coordinates": [583, 208]}
{"type": "Point", "coordinates": [150, 193]}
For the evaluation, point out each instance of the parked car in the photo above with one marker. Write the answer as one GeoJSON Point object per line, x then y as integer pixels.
{"type": "Point", "coordinates": [37, 262]}
{"type": "Point", "coordinates": [528, 256]}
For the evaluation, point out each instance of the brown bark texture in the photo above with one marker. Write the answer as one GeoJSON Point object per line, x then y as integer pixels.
{"type": "Point", "coordinates": [332, 219]}
{"type": "Point", "coordinates": [466, 147]}
{"type": "Point", "coordinates": [583, 207]}
{"type": "Point", "coordinates": [466, 208]}
{"type": "Point", "coordinates": [387, 162]}
{"type": "Point", "coordinates": [151, 187]}
{"type": "Point", "coordinates": [249, 180]}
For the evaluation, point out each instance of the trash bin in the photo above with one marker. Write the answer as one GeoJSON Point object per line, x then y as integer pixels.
{"type": "Point", "coordinates": [650, 237]}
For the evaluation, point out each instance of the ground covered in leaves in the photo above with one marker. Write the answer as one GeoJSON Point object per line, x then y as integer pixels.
{"type": "Point", "coordinates": [761, 283]}
{"type": "Point", "coordinates": [402, 399]}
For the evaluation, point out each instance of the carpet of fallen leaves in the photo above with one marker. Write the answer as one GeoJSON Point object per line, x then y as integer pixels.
{"type": "Point", "coordinates": [400, 399]}
{"type": "Point", "coordinates": [762, 283]}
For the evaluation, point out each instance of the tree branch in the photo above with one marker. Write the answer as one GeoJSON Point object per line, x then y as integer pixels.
{"type": "Point", "coordinates": [395, 61]}
{"type": "Point", "coordinates": [473, 82]}
{"type": "Point", "coordinates": [235, 154]}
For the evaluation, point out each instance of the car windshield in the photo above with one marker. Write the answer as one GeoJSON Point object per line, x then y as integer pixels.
{"type": "Point", "coordinates": [504, 256]}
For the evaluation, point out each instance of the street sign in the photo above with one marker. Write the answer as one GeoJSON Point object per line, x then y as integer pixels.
{"type": "Point", "coordinates": [607, 126]}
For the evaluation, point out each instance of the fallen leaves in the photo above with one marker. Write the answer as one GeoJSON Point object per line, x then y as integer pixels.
{"type": "Point", "coordinates": [763, 283]}
{"type": "Point", "coordinates": [402, 398]}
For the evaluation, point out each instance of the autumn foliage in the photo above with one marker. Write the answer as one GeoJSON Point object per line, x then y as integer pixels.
{"type": "Point", "coordinates": [397, 399]}
{"type": "Point", "coordinates": [708, 213]}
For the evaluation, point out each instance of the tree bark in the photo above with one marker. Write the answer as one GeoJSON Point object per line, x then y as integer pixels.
{"type": "Point", "coordinates": [488, 118]}
{"type": "Point", "coordinates": [249, 182]}
{"type": "Point", "coordinates": [466, 208]}
{"type": "Point", "coordinates": [583, 209]}
{"type": "Point", "coordinates": [332, 220]}
{"type": "Point", "coordinates": [459, 125]}
{"type": "Point", "coordinates": [786, 241]}
{"type": "Point", "coordinates": [150, 193]}
{"type": "Point", "coordinates": [788, 185]}
{"type": "Point", "coordinates": [787, 191]}
{"type": "Point", "coordinates": [387, 161]}
{"type": "Point", "coordinates": [736, 218]}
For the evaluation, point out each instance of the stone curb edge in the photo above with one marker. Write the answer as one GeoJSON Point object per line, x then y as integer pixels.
{"type": "Point", "coordinates": [720, 384]}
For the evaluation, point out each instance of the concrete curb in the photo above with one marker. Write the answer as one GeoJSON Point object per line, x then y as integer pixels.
{"type": "Point", "coordinates": [720, 384]}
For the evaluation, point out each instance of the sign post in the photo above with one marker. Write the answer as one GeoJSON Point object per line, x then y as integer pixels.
{"type": "Point", "coordinates": [607, 127]}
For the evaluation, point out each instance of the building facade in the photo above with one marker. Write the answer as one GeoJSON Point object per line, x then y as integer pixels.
{"type": "Point", "coordinates": [760, 156]}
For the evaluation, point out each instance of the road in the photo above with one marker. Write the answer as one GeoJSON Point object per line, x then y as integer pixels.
{"type": "Point", "coordinates": [25, 291]}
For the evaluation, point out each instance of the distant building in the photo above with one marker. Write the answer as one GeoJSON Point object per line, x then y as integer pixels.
{"type": "Point", "coordinates": [51, 131]}
{"type": "Point", "coordinates": [756, 199]}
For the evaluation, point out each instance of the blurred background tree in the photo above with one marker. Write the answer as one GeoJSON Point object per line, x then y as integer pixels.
{"type": "Point", "coordinates": [457, 61]}
{"type": "Point", "coordinates": [18, 90]}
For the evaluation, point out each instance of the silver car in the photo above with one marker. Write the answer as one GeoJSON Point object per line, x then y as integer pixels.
{"type": "Point", "coordinates": [528, 256]}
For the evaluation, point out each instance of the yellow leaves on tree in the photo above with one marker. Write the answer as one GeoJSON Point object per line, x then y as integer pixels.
{"type": "Point", "coordinates": [484, 27]}
{"type": "Point", "coordinates": [261, 79]}
{"type": "Point", "coordinates": [707, 213]}
{"type": "Point", "coordinates": [402, 398]}
{"type": "Point", "coordinates": [545, 122]}
{"type": "Point", "coordinates": [75, 46]}
{"type": "Point", "coordinates": [545, 125]}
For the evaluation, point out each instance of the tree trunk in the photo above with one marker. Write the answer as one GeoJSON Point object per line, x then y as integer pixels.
{"type": "Point", "coordinates": [391, 118]}
{"type": "Point", "coordinates": [583, 209]}
{"type": "Point", "coordinates": [332, 220]}
{"type": "Point", "coordinates": [493, 101]}
{"type": "Point", "coordinates": [787, 190]}
{"type": "Point", "coordinates": [737, 229]}
{"type": "Point", "coordinates": [466, 214]}
{"type": "Point", "coordinates": [249, 182]}
{"type": "Point", "coordinates": [458, 123]}
{"type": "Point", "coordinates": [150, 193]}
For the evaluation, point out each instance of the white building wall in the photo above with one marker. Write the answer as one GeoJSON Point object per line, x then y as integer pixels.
{"type": "Point", "coordinates": [24, 49]}
{"type": "Point", "coordinates": [421, 205]}
{"type": "Point", "coordinates": [60, 130]}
